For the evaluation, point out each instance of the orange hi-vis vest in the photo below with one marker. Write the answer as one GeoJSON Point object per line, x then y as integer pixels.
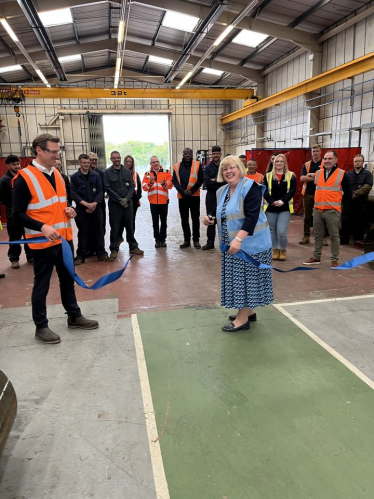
{"type": "Point", "coordinates": [329, 193]}
{"type": "Point", "coordinates": [307, 166]}
{"type": "Point", "coordinates": [193, 177]}
{"type": "Point", "coordinates": [257, 177]}
{"type": "Point", "coordinates": [157, 193]}
{"type": "Point", "coordinates": [46, 205]}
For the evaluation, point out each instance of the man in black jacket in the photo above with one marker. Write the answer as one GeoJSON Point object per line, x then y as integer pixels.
{"type": "Point", "coordinates": [211, 185]}
{"type": "Point", "coordinates": [14, 229]}
{"type": "Point", "coordinates": [94, 159]}
{"type": "Point", "coordinates": [354, 210]}
{"type": "Point", "coordinates": [120, 188]}
{"type": "Point", "coordinates": [87, 192]}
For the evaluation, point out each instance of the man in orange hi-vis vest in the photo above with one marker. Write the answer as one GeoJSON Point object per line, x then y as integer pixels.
{"type": "Point", "coordinates": [187, 179]}
{"type": "Point", "coordinates": [40, 205]}
{"type": "Point", "coordinates": [331, 182]}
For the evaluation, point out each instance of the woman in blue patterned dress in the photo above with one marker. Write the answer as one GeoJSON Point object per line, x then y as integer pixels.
{"type": "Point", "coordinates": [242, 225]}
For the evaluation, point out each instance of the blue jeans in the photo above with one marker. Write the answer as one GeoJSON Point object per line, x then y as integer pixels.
{"type": "Point", "coordinates": [278, 223]}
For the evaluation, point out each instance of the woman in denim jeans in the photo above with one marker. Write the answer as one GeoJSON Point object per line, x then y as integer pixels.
{"type": "Point", "coordinates": [280, 186]}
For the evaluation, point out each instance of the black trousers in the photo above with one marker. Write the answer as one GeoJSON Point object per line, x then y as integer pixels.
{"type": "Point", "coordinates": [135, 206]}
{"type": "Point", "coordinates": [159, 214]}
{"type": "Point", "coordinates": [90, 232]}
{"type": "Point", "coordinates": [211, 208]}
{"type": "Point", "coordinates": [16, 232]}
{"type": "Point", "coordinates": [44, 262]}
{"type": "Point", "coordinates": [120, 217]}
{"type": "Point", "coordinates": [187, 205]}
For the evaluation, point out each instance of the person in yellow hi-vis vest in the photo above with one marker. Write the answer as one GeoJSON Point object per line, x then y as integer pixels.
{"type": "Point", "coordinates": [187, 179]}
{"type": "Point", "coordinates": [280, 186]}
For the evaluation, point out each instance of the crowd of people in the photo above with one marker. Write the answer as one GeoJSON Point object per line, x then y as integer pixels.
{"type": "Point", "coordinates": [240, 201]}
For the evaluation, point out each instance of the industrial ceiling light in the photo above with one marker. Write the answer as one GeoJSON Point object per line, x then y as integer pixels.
{"type": "Point", "coordinates": [56, 17]}
{"type": "Point", "coordinates": [160, 60]}
{"type": "Point", "coordinates": [121, 31]}
{"type": "Point", "coordinates": [183, 22]}
{"type": "Point", "coordinates": [211, 71]}
{"type": "Point", "coordinates": [8, 29]}
{"type": "Point", "coordinates": [70, 58]}
{"type": "Point", "coordinates": [121, 38]}
{"type": "Point", "coordinates": [249, 38]}
{"type": "Point", "coordinates": [8, 69]}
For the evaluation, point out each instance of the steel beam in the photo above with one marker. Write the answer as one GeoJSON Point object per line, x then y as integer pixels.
{"type": "Point", "coordinates": [135, 93]}
{"type": "Point", "coordinates": [348, 70]}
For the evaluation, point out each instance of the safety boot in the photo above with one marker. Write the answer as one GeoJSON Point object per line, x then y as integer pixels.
{"type": "Point", "coordinates": [282, 255]}
{"type": "Point", "coordinates": [276, 254]}
{"type": "Point", "coordinates": [305, 240]}
{"type": "Point", "coordinates": [47, 336]}
{"type": "Point", "coordinates": [81, 323]}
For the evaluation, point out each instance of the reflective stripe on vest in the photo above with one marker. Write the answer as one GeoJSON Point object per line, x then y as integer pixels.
{"type": "Point", "coordinates": [62, 225]}
{"type": "Point", "coordinates": [269, 180]}
{"type": "Point", "coordinates": [194, 174]}
{"type": "Point", "coordinates": [329, 192]}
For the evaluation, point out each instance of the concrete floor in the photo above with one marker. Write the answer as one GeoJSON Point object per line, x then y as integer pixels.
{"type": "Point", "coordinates": [80, 429]}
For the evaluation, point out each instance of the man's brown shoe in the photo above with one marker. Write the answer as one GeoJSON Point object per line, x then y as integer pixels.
{"type": "Point", "coordinates": [105, 258]}
{"type": "Point", "coordinates": [136, 251]}
{"type": "Point", "coordinates": [82, 323]}
{"type": "Point", "coordinates": [197, 245]}
{"type": "Point", "coordinates": [78, 261]}
{"type": "Point", "coordinates": [312, 261]}
{"type": "Point", "coordinates": [114, 255]}
{"type": "Point", "coordinates": [186, 244]}
{"type": "Point", "coordinates": [15, 265]}
{"type": "Point", "coordinates": [334, 264]}
{"type": "Point", "coordinates": [305, 240]}
{"type": "Point", "coordinates": [47, 336]}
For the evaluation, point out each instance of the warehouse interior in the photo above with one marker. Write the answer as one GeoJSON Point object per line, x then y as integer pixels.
{"type": "Point", "coordinates": [158, 403]}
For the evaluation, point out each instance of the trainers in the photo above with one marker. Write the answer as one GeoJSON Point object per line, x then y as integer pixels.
{"type": "Point", "coordinates": [15, 265]}
{"type": "Point", "coordinates": [157, 244]}
{"type": "Point", "coordinates": [82, 323]}
{"type": "Point", "coordinates": [305, 240]}
{"type": "Point", "coordinates": [47, 336]}
{"type": "Point", "coordinates": [334, 264]}
{"type": "Point", "coordinates": [186, 244]}
{"type": "Point", "coordinates": [136, 251]}
{"type": "Point", "coordinates": [105, 258]}
{"type": "Point", "coordinates": [78, 261]}
{"type": "Point", "coordinates": [114, 255]}
{"type": "Point", "coordinates": [312, 261]}
{"type": "Point", "coordinates": [197, 245]}
{"type": "Point", "coordinates": [207, 246]}
{"type": "Point", "coordinates": [163, 244]}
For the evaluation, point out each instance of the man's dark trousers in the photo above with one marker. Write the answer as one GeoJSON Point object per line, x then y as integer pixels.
{"type": "Point", "coordinates": [187, 205]}
{"type": "Point", "coordinates": [15, 232]}
{"type": "Point", "coordinates": [211, 207]}
{"type": "Point", "coordinates": [121, 217]}
{"type": "Point", "coordinates": [44, 262]}
{"type": "Point", "coordinates": [159, 214]}
{"type": "Point", "coordinates": [90, 232]}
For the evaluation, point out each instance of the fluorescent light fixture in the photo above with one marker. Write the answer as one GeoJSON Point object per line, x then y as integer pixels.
{"type": "Point", "coordinates": [160, 60]}
{"type": "Point", "coordinates": [188, 75]}
{"type": "Point", "coordinates": [7, 69]}
{"type": "Point", "coordinates": [116, 78]}
{"type": "Point", "coordinates": [211, 71]}
{"type": "Point", "coordinates": [69, 58]}
{"type": "Point", "coordinates": [223, 35]}
{"type": "Point", "coordinates": [118, 64]}
{"type": "Point", "coordinates": [42, 77]}
{"type": "Point", "coordinates": [121, 31]}
{"type": "Point", "coordinates": [9, 30]}
{"type": "Point", "coordinates": [179, 21]}
{"type": "Point", "coordinates": [56, 17]}
{"type": "Point", "coordinates": [249, 38]}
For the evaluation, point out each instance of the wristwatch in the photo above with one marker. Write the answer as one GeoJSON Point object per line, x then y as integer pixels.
{"type": "Point", "coordinates": [238, 238]}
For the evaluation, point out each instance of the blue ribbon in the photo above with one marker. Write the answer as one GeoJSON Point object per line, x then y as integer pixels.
{"type": "Point", "coordinates": [67, 256]}
{"type": "Point", "coordinates": [350, 264]}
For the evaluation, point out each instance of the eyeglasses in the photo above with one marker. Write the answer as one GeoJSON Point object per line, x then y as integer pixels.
{"type": "Point", "coordinates": [229, 169]}
{"type": "Point", "coordinates": [57, 151]}
{"type": "Point", "coordinates": [94, 159]}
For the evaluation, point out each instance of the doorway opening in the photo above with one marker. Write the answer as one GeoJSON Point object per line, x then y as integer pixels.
{"type": "Point", "coordinates": [139, 135]}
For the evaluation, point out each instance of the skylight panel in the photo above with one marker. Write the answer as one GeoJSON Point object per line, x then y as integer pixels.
{"type": "Point", "coordinates": [8, 69]}
{"type": "Point", "coordinates": [70, 58]}
{"type": "Point", "coordinates": [56, 17]}
{"type": "Point", "coordinates": [160, 60]}
{"type": "Point", "coordinates": [249, 38]}
{"type": "Point", "coordinates": [180, 21]}
{"type": "Point", "coordinates": [211, 71]}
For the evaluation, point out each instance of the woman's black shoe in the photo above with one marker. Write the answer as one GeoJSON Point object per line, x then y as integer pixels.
{"type": "Point", "coordinates": [230, 328]}
{"type": "Point", "coordinates": [251, 318]}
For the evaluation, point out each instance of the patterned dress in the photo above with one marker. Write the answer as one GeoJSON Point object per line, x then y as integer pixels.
{"type": "Point", "coordinates": [243, 284]}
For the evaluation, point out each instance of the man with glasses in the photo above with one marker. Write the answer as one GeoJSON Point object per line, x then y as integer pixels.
{"type": "Point", "coordinates": [157, 183]}
{"type": "Point", "coordinates": [40, 205]}
{"type": "Point", "coordinates": [211, 185]}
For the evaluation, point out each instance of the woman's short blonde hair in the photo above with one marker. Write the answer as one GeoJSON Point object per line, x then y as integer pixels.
{"type": "Point", "coordinates": [227, 162]}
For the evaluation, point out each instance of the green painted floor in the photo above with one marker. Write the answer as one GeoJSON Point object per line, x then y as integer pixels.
{"type": "Point", "coordinates": [260, 414]}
